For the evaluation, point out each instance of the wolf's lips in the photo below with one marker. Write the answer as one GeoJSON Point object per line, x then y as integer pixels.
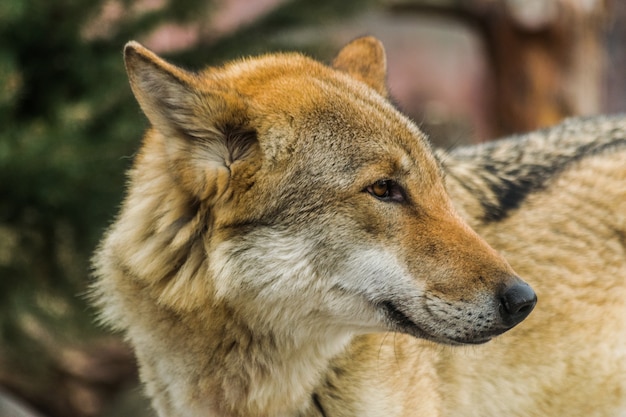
{"type": "Point", "coordinates": [402, 321]}
{"type": "Point", "coordinates": [404, 324]}
{"type": "Point", "coordinates": [477, 341]}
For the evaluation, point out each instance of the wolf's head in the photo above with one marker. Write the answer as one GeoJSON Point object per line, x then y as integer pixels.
{"type": "Point", "coordinates": [297, 197]}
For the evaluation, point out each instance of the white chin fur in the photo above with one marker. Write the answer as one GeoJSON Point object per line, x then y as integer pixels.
{"type": "Point", "coordinates": [280, 272]}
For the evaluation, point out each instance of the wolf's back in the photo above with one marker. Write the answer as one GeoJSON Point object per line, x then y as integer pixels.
{"type": "Point", "coordinates": [502, 174]}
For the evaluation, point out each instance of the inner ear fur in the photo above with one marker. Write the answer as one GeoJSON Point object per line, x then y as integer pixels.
{"type": "Point", "coordinates": [364, 59]}
{"type": "Point", "coordinates": [177, 103]}
{"type": "Point", "coordinates": [172, 99]}
{"type": "Point", "coordinates": [193, 116]}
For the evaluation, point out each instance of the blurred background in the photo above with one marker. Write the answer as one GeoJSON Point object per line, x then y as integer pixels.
{"type": "Point", "coordinates": [465, 70]}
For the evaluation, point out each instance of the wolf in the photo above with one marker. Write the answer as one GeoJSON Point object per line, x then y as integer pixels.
{"type": "Point", "coordinates": [291, 245]}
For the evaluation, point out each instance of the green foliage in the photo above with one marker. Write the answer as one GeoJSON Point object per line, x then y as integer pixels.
{"type": "Point", "coordinates": [69, 127]}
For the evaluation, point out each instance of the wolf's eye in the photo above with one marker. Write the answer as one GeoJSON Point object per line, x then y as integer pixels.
{"type": "Point", "coordinates": [380, 188]}
{"type": "Point", "coordinates": [386, 190]}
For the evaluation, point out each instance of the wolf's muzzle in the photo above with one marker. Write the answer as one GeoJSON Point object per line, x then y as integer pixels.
{"type": "Point", "coordinates": [516, 303]}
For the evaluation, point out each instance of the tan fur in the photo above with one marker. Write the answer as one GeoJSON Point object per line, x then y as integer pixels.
{"type": "Point", "coordinates": [256, 272]}
{"type": "Point", "coordinates": [568, 240]}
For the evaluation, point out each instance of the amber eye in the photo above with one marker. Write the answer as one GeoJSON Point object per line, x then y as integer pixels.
{"type": "Point", "coordinates": [387, 190]}
{"type": "Point", "coordinates": [380, 189]}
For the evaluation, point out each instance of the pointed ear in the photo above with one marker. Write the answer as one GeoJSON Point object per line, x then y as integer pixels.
{"type": "Point", "coordinates": [365, 60]}
{"type": "Point", "coordinates": [168, 95]}
{"type": "Point", "coordinates": [194, 117]}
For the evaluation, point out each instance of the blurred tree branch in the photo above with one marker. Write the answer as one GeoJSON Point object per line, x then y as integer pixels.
{"type": "Point", "coordinates": [548, 56]}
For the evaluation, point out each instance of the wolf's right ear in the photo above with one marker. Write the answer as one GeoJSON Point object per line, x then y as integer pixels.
{"type": "Point", "coordinates": [364, 59]}
{"type": "Point", "coordinates": [168, 95]}
{"type": "Point", "coordinates": [195, 117]}
{"type": "Point", "coordinates": [163, 90]}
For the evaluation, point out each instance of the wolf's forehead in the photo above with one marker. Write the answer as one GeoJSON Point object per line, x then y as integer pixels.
{"type": "Point", "coordinates": [287, 82]}
{"type": "Point", "coordinates": [253, 76]}
{"type": "Point", "coordinates": [315, 108]}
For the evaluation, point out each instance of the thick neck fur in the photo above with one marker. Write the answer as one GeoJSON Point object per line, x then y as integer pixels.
{"type": "Point", "coordinates": [159, 247]}
{"type": "Point", "coordinates": [268, 374]}
{"type": "Point", "coordinates": [236, 371]}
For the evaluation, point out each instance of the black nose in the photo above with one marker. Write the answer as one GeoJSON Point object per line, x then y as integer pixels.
{"type": "Point", "coordinates": [517, 302]}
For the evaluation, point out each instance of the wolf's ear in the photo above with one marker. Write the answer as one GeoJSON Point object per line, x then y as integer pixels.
{"type": "Point", "coordinates": [364, 59]}
{"type": "Point", "coordinates": [196, 118]}
{"type": "Point", "coordinates": [175, 101]}
{"type": "Point", "coordinates": [166, 93]}
{"type": "Point", "coordinates": [160, 88]}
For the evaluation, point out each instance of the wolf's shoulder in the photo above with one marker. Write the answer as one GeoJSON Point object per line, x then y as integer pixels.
{"type": "Point", "coordinates": [502, 173]}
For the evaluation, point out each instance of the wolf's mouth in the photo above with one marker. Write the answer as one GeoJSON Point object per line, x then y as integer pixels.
{"type": "Point", "coordinates": [477, 341]}
{"type": "Point", "coordinates": [404, 324]}
{"type": "Point", "coordinates": [401, 321]}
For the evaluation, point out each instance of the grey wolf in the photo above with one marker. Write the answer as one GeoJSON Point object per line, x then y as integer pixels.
{"type": "Point", "coordinates": [290, 245]}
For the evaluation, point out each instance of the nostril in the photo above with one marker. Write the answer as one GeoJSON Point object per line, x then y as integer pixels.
{"type": "Point", "coordinates": [518, 301]}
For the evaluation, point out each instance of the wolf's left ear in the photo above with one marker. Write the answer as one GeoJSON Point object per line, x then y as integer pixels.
{"type": "Point", "coordinates": [364, 59]}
